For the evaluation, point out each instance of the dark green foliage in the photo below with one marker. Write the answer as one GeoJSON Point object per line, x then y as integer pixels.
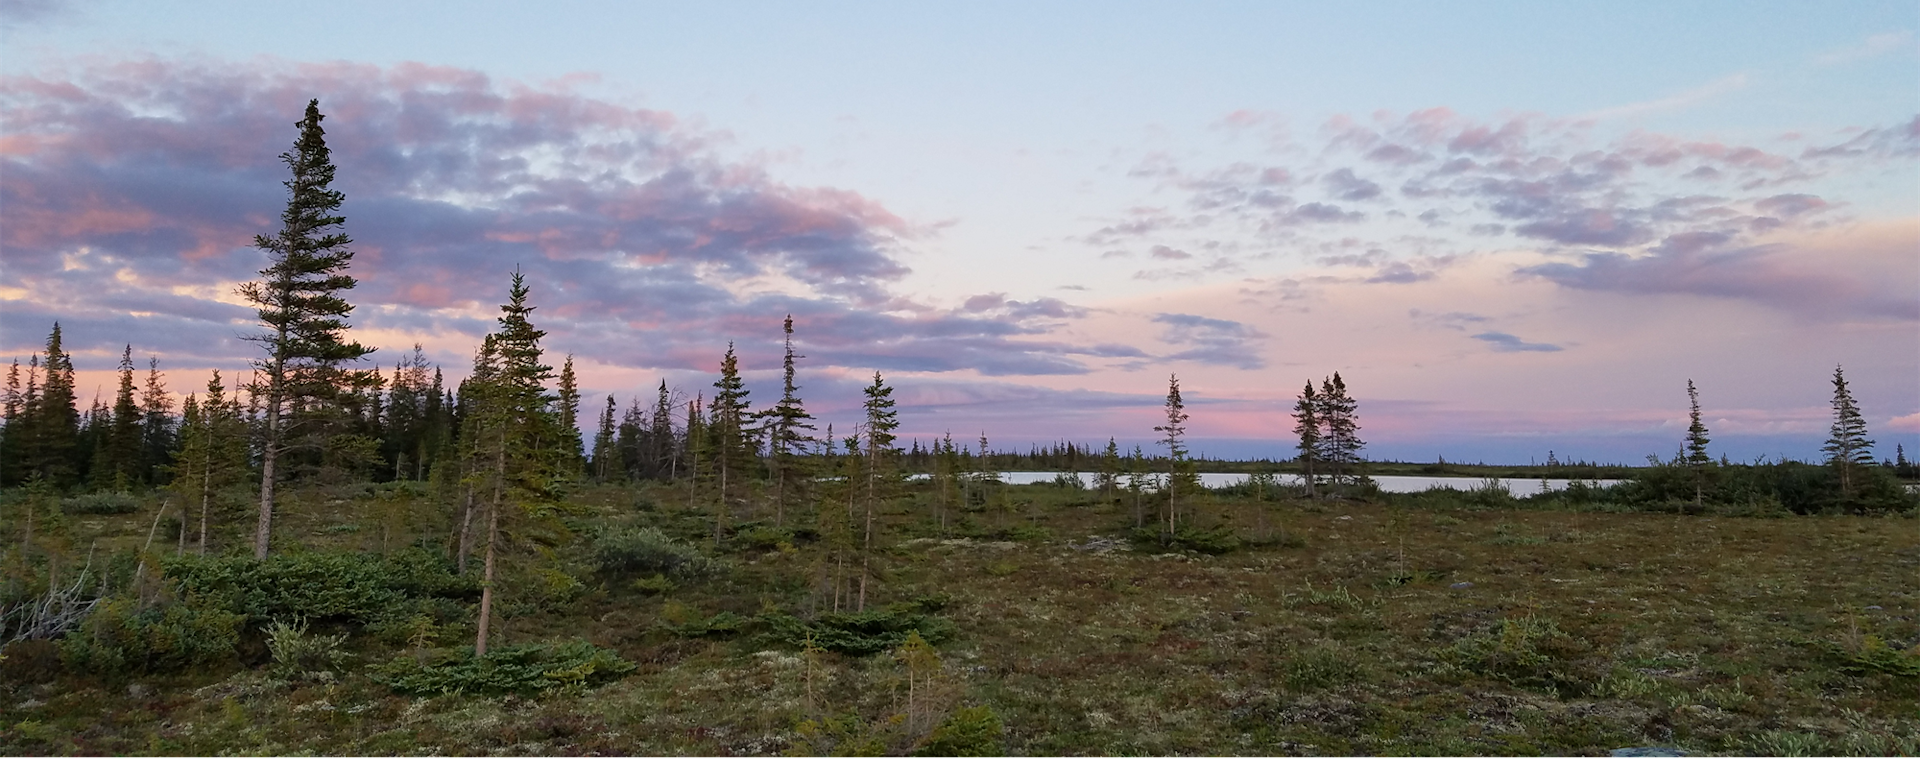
{"type": "Point", "coordinates": [1213, 540]}
{"type": "Point", "coordinates": [863, 633]}
{"type": "Point", "coordinates": [526, 670]}
{"type": "Point", "coordinates": [721, 625]}
{"type": "Point", "coordinates": [122, 638]}
{"type": "Point", "coordinates": [347, 587]}
{"type": "Point", "coordinates": [969, 732]}
{"type": "Point", "coordinates": [103, 503]}
{"type": "Point", "coordinates": [1797, 487]}
{"type": "Point", "coordinates": [646, 551]}
{"type": "Point", "coordinates": [1872, 655]}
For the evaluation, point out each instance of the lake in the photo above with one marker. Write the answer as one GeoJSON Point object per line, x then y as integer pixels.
{"type": "Point", "coordinates": [1389, 483]}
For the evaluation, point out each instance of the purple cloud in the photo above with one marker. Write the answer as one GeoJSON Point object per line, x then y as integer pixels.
{"type": "Point", "coordinates": [639, 242]}
{"type": "Point", "coordinates": [1213, 341]}
{"type": "Point", "coordinates": [1504, 343]}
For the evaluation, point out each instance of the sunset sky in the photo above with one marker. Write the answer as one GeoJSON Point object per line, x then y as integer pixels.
{"type": "Point", "coordinates": [1511, 227]}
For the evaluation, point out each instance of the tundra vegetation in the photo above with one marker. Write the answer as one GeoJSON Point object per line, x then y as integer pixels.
{"type": "Point", "coordinates": [339, 561]}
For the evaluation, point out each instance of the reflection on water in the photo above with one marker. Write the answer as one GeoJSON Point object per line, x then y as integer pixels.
{"type": "Point", "coordinates": [1389, 483]}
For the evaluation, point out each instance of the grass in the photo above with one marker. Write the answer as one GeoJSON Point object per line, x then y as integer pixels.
{"type": "Point", "coordinates": [1344, 627]}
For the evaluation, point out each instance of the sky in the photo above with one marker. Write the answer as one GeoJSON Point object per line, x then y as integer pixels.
{"type": "Point", "coordinates": [1512, 228]}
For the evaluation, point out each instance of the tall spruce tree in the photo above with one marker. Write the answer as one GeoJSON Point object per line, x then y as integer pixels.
{"type": "Point", "coordinates": [516, 424]}
{"type": "Point", "coordinates": [10, 428]}
{"type": "Point", "coordinates": [665, 453]}
{"type": "Point", "coordinates": [50, 420]}
{"type": "Point", "coordinates": [1697, 459]}
{"type": "Point", "coordinates": [1847, 448]}
{"type": "Point", "coordinates": [1306, 425]}
{"type": "Point", "coordinates": [1339, 439]}
{"type": "Point", "coordinates": [157, 429]}
{"type": "Point", "coordinates": [605, 457]}
{"type": "Point", "coordinates": [727, 420]}
{"type": "Point", "coordinates": [881, 468]}
{"type": "Point", "coordinates": [788, 433]}
{"type": "Point", "coordinates": [300, 303]}
{"type": "Point", "coordinates": [117, 466]}
{"type": "Point", "coordinates": [1180, 476]}
{"type": "Point", "coordinates": [570, 418]}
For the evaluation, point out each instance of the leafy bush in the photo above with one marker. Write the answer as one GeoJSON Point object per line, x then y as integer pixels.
{"type": "Point", "coordinates": [1313, 669]}
{"type": "Point", "coordinates": [1873, 655]}
{"type": "Point", "coordinates": [300, 655]}
{"type": "Point", "coordinates": [121, 638]}
{"type": "Point", "coordinates": [969, 732]}
{"type": "Point", "coordinates": [722, 625]}
{"type": "Point", "coordinates": [105, 503]}
{"type": "Point", "coordinates": [1215, 540]}
{"type": "Point", "coordinates": [1528, 651]}
{"type": "Point", "coordinates": [353, 587]}
{"type": "Point", "coordinates": [765, 538]}
{"type": "Point", "coordinates": [526, 670]}
{"type": "Point", "coordinates": [647, 550]}
{"type": "Point", "coordinates": [863, 633]}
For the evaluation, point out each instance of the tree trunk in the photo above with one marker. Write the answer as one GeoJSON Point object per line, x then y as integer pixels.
{"type": "Point", "coordinates": [465, 546]}
{"type": "Point", "coordinates": [206, 498]}
{"type": "Point", "coordinates": [486, 578]}
{"type": "Point", "coordinates": [269, 453]}
{"type": "Point", "coordinates": [264, 528]}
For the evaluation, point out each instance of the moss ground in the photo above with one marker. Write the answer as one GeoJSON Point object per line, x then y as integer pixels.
{"type": "Point", "coordinates": [1344, 627]}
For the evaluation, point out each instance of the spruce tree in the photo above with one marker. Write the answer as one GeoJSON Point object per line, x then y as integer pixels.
{"type": "Point", "coordinates": [1339, 439]}
{"type": "Point", "coordinates": [1847, 447]}
{"type": "Point", "coordinates": [1306, 425]}
{"type": "Point", "coordinates": [1180, 477]}
{"type": "Point", "coordinates": [881, 468]}
{"type": "Point", "coordinates": [664, 454]}
{"type": "Point", "coordinates": [157, 431]}
{"type": "Point", "coordinates": [516, 424]}
{"type": "Point", "coordinates": [211, 454]}
{"type": "Point", "coordinates": [300, 303]}
{"type": "Point", "coordinates": [118, 468]}
{"type": "Point", "coordinates": [727, 420]}
{"type": "Point", "coordinates": [1109, 478]}
{"type": "Point", "coordinates": [787, 434]}
{"type": "Point", "coordinates": [50, 419]}
{"type": "Point", "coordinates": [604, 454]}
{"type": "Point", "coordinates": [570, 418]}
{"type": "Point", "coordinates": [1697, 459]}
{"type": "Point", "coordinates": [11, 428]}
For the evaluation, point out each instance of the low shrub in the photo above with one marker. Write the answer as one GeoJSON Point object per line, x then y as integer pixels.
{"type": "Point", "coordinates": [968, 732]}
{"type": "Point", "coordinates": [862, 633]}
{"type": "Point", "coordinates": [526, 670]}
{"type": "Point", "coordinates": [349, 587]}
{"type": "Point", "coordinates": [1527, 651]}
{"type": "Point", "coordinates": [299, 655]}
{"type": "Point", "coordinates": [105, 503]}
{"type": "Point", "coordinates": [123, 638]}
{"type": "Point", "coordinates": [1211, 540]}
{"type": "Point", "coordinates": [646, 551]}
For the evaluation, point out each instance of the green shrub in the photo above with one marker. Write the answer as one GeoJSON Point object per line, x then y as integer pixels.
{"type": "Point", "coordinates": [526, 670]}
{"type": "Point", "coordinates": [352, 587]}
{"type": "Point", "coordinates": [300, 655]}
{"type": "Point", "coordinates": [764, 538]}
{"type": "Point", "coordinates": [968, 732]}
{"type": "Point", "coordinates": [1314, 669]}
{"type": "Point", "coordinates": [862, 633]}
{"type": "Point", "coordinates": [121, 638]}
{"type": "Point", "coordinates": [113, 503]}
{"type": "Point", "coordinates": [1215, 540]}
{"type": "Point", "coordinates": [1527, 651]}
{"type": "Point", "coordinates": [647, 550]}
